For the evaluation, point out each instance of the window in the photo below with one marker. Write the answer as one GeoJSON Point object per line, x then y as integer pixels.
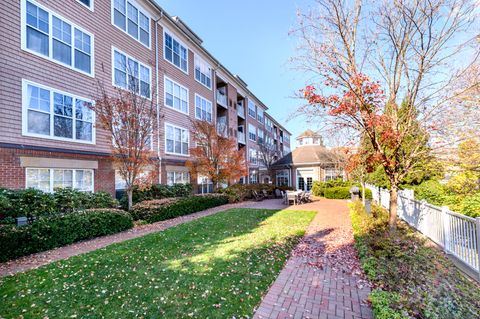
{"type": "Point", "coordinates": [63, 43]}
{"type": "Point", "coordinates": [268, 124]}
{"type": "Point", "coordinates": [177, 140]}
{"type": "Point", "coordinates": [282, 178]}
{"type": "Point", "coordinates": [176, 53]}
{"type": "Point", "coordinates": [132, 20]}
{"type": "Point", "coordinates": [309, 183]}
{"type": "Point", "coordinates": [332, 174]}
{"type": "Point", "coordinates": [49, 179]}
{"type": "Point", "coordinates": [301, 183]}
{"type": "Point", "coordinates": [286, 138]}
{"type": "Point", "coordinates": [260, 115]}
{"type": "Point", "coordinates": [176, 96]}
{"type": "Point", "coordinates": [252, 132]}
{"type": "Point", "coordinates": [203, 72]}
{"type": "Point", "coordinates": [251, 109]}
{"type": "Point", "coordinates": [87, 3]}
{"type": "Point", "coordinates": [253, 178]}
{"type": "Point", "coordinates": [203, 108]}
{"type": "Point", "coordinates": [252, 156]}
{"type": "Point", "coordinates": [130, 74]}
{"type": "Point", "coordinates": [260, 136]}
{"type": "Point", "coordinates": [54, 114]}
{"type": "Point", "coordinates": [205, 185]}
{"type": "Point", "coordinates": [178, 178]}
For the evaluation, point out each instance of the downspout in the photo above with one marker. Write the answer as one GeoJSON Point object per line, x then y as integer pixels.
{"type": "Point", "coordinates": [157, 97]}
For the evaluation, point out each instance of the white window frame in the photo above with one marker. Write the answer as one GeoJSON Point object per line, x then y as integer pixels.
{"type": "Point", "coordinates": [50, 58]}
{"type": "Point", "coordinates": [166, 31]}
{"type": "Point", "coordinates": [186, 178]}
{"type": "Point", "coordinates": [140, 64]}
{"type": "Point", "coordinates": [252, 156]}
{"type": "Point", "coordinates": [200, 60]}
{"type": "Point", "coordinates": [51, 172]}
{"type": "Point", "coordinates": [25, 132]}
{"type": "Point", "coordinates": [165, 78]}
{"type": "Point", "coordinates": [211, 108]}
{"type": "Point", "coordinates": [253, 126]}
{"type": "Point", "coordinates": [188, 140]}
{"type": "Point", "coordinates": [260, 115]}
{"type": "Point", "coordinates": [140, 10]}
{"type": "Point", "coordinates": [91, 7]}
{"type": "Point", "coordinates": [262, 138]}
{"type": "Point", "coordinates": [250, 103]}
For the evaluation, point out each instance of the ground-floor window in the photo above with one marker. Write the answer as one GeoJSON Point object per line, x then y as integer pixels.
{"type": "Point", "coordinates": [333, 173]}
{"type": "Point", "coordinates": [253, 178]}
{"type": "Point", "coordinates": [176, 177]}
{"type": "Point", "coordinates": [205, 185]}
{"type": "Point", "coordinates": [282, 178]}
{"type": "Point", "coordinates": [49, 179]}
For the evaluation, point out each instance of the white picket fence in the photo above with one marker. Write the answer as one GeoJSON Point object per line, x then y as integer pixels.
{"type": "Point", "coordinates": [457, 234]}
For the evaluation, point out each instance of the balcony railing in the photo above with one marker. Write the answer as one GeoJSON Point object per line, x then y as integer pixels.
{"type": "Point", "coordinates": [241, 138]}
{"type": "Point", "coordinates": [222, 128]}
{"type": "Point", "coordinates": [241, 110]}
{"type": "Point", "coordinates": [222, 99]}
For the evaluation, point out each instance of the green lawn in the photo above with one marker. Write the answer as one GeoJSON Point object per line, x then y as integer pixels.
{"type": "Point", "coordinates": [215, 267]}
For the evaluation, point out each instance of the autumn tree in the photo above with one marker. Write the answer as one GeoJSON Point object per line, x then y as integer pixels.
{"type": "Point", "coordinates": [366, 60]}
{"type": "Point", "coordinates": [130, 120]}
{"type": "Point", "coordinates": [268, 155]}
{"type": "Point", "coordinates": [215, 155]}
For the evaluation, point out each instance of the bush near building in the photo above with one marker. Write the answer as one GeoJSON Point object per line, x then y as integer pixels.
{"type": "Point", "coordinates": [241, 192]}
{"type": "Point", "coordinates": [49, 232]}
{"type": "Point", "coordinates": [157, 210]}
{"type": "Point", "coordinates": [33, 203]}
{"type": "Point", "coordinates": [337, 189]}
{"type": "Point", "coordinates": [157, 191]}
{"type": "Point", "coordinates": [412, 279]}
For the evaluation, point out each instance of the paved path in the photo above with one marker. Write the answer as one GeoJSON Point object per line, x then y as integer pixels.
{"type": "Point", "coordinates": [322, 279]}
{"type": "Point", "coordinates": [46, 257]}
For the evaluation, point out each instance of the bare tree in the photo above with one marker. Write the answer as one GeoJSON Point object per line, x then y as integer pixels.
{"type": "Point", "coordinates": [129, 117]}
{"type": "Point", "coordinates": [268, 155]}
{"type": "Point", "coordinates": [381, 69]}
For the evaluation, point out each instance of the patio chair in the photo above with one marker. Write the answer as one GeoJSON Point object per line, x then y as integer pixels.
{"type": "Point", "coordinates": [257, 197]}
{"type": "Point", "coordinates": [265, 194]}
{"type": "Point", "coordinates": [278, 193]}
{"type": "Point", "coordinates": [291, 196]}
{"type": "Point", "coordinates": [284, 197]}
{"type": "Point", "coordinates": [307, 197]}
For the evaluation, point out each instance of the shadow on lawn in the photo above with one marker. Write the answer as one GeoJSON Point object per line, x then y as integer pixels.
{"type": "Point", "coordinates": [217, 267]}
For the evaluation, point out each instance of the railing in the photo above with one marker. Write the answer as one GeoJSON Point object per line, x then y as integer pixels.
{"type": "Point", "coordinates": [241, 110]}
{"type": "Point", "coordinates": [222, 98]}
{"type": "Point", "coordinates": [457, 234]}
{"type": "Point", "coordinates": [241, 137]}
{"type": "Point", "coordinates": [222, 127]}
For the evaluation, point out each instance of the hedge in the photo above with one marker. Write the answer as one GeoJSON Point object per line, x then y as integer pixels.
{"type": "Point", "coordinates": [337, 193]}
{"type": "Point", "coordinates": [35, 203]}
{"type": "Point", "coordinates": [157, 210]}
{"type": "Point", "coordinates": [157, 191]}
{"type": "Point", "coordinates": [340, 192]}
{"type": "Point", "coordinates": [241, 192]}
{"type": "Point", "coordinates": [55, 231]}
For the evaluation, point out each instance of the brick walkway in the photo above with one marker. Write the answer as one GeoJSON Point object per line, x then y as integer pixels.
{"type": "Point", "coordinates": [322, 279]}
{"type": "Point", "coordinates": [46, 257]}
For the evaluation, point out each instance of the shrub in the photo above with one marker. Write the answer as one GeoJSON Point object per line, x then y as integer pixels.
{"type": "Point", "coordinates": [56, 231]}
{"type": "Point", "coordinates": [431, 191]}
{"type": "Point", "coordinates": [157, 191]}
{"type": "Point", "coordinates": [318, 188]}
{"type": "Point", "coordinates": [471, 206]}
{"type": "Point", "coordinates": [337, 193]}
{"type": "Point", "coordinates": [242, 192]}
{"type": "Point", "coordinates": [368, 193]}
{"type": "Point", "coordinates": [157, 210]}
{"type": "Point", "coordinates": [68, 200]}
{"type": "Point", "coordinates": [30, 203]}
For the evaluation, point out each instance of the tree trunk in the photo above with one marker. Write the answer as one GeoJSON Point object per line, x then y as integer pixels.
{"type": "Point", "coordinates": [130, 198]}
{"type": "Point", "coordinates": [392, 223]}
{"type": "Point", "coordinates": [363, 192]}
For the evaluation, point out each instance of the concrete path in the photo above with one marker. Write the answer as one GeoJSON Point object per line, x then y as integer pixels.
{"type": "Point", "coordinates": [322, 279]}
{"type": "Point", "coordinates": [46, 257]}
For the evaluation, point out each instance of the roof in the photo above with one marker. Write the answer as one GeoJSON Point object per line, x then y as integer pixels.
{"type": "Point", "coordinates": [310, 154]}
{"type": "Point", "coordinates": [308, 133]}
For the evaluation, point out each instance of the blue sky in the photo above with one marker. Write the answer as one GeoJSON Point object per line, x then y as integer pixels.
{"type": "Point", "coordinates": [250, 38]}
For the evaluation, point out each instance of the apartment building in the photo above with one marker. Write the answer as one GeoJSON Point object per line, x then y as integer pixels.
{"type": "Point", "coordinates": [56, 55]}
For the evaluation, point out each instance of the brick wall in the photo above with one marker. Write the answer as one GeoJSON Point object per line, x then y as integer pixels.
{"type": "Point", "coordinates": [12, 175]}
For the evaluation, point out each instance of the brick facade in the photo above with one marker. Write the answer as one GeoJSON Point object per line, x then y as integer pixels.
{"type": "Point", "coordinates": [20, 65]}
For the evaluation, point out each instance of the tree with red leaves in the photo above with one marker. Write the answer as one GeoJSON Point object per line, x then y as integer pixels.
{"type": "Point", "coordinates": [215, 155]}
{"type": "Point", "coordinates": [408, 46]}
{"type": "Point", "coordinates": [129, 119]}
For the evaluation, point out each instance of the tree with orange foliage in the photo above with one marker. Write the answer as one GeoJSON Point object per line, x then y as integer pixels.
{"type": "Point", "coordinates": [129, 118]}
{"type": "Point", "coordinates": [410, 48]}
{"type": "Point", "coordinates": [215, 155]}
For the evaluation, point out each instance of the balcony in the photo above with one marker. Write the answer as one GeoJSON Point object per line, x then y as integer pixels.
{"type": "Point", "coordinates": [241, 110]}
{"type": "Point", "coordinates": [241, 138]}
{"type": "Point", "coordinates": [222, 128]}
{"type": "Point", "coordinates": [222, 99]}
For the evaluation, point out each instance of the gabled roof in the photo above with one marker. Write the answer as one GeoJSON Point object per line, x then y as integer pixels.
{"type": "Point", "coordinates": [310, 154]}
